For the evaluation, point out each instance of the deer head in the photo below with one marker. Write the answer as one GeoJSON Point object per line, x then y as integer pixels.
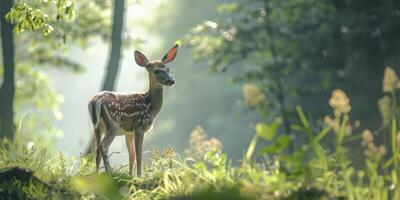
{"type": "Point", "coordinates": [158, 70]}
{"type": "Point", "coordinates": [130, 114]}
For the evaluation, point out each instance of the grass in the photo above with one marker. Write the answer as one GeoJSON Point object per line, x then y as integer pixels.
{"type": "Point", "coordinates": [52, 176]}
{"type": "Point", "coordinates": [309, 172]}
{"type": "Point", "coordinates": [43, 175]}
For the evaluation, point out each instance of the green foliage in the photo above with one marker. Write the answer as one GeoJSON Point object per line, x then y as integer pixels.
{"type": "Point", "coordinates": [268, 43]}
{"type": "Point", "coordinates": [312, 165]}
{"type": "Point", "coordinates": [25, 17]}
{"type": "Point", "coordinates": [309, 172]}
{"type": "Point", "coordinates": [37, 49]}
{"type": "Point", "coordinates": [103, 185]}
{"type": "Point", "coordinates": [297, 51]}
{"type": "Point", "coordinates": [43, 173]}
{"type": "Point", "coordinates": [265, 131]}
{"type": "Point", "coordinates": [34, 90]}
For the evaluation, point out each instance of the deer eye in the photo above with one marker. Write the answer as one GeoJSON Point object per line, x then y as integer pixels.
{"type": "Point", "coordinates": [157, 71]}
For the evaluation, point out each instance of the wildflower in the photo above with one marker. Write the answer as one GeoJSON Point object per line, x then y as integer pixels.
{"type": "Point", "coordinates": [199, 141]}
{"type": "Point", "coordinates": [367, 137]}
{"type": "Point", "coordinates": [197, 135]}
{"type": "Point", "coordinates": [252, 95]}
{"type": "Point", "coordinates": [384, 105]}
{"type": "Point", "coordinates": [334, 124]}
{"type": "Point", "coordinates": [357, 124]}
{"type": "Point", "coordinates": [339, 102]}
{"type": "Point", "coordinates": [214, 144]}
{"type": "Point", "coordinates": [29, 145]}
{"type": "Point", "coordinates": [211, 24]}
{"type": "Point", "coordinates": [381, 151]}
{"type": "Point", "coordinates": [390, 80]}
{"type": "Point", "coordinates": [371, 150]}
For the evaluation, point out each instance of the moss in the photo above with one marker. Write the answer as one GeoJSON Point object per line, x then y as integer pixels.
{"type": "Point", "coordinates": [21, 183]}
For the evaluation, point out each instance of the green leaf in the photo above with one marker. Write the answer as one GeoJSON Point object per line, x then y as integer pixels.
{"type": "Point", "coordinates": [297, 127]}
{"type": "Point", "coordinates": [349, 172]}
{"type": "Point", "coordinates": [371, 166]}
{"type": "Point", "coordinates": [322, 134]}
{"type": "Point", "coordinates": [388, 163]}
{"type": "Point", "coordinates": [302, 117]}
{"type": "Point", "coordinates": [251, 147]}
{"type": "Point", "coordinates": [102, 184]}
{"type": "Point", "coordinates": [283, 141]}
{"type": "Point", "coordinates": [265, 131]}
{"type": "Point", "coordinates": [394, 176]}
{"type": "Point", "coordinates": [278, 146]}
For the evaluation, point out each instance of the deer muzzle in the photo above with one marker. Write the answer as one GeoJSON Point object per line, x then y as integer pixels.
{"type": "Point", "coordinates": [170, 82]}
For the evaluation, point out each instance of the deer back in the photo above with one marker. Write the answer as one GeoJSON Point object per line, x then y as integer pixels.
{"type": "Point", "coordinates": [126, 111]}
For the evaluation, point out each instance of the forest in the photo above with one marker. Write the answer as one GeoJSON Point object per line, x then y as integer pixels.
{"type": "Point", "coordinates": [200, 100]}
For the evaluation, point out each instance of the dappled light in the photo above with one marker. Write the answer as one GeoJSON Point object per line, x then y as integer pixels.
{"type": "Point", "coordinates": [177, 99]}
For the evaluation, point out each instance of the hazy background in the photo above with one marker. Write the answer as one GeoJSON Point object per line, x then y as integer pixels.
{"type": "Point", "coordinates": [302, 95]}
{"type": "Point", "coordinates": [240, 62]}
{"type": "Point", "coordinates": [198, 98]}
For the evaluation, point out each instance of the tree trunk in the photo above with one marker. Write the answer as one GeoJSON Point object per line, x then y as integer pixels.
{"type": "Point", "coordinates": [116, 41]}
{"type": "Point", "coordinates": [114, 56]}
{"type": "Point", "coordinates": [7, 89]}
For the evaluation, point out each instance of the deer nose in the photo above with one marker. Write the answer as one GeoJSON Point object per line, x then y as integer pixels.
{"type": "Point", "coordinates": [170, 81]}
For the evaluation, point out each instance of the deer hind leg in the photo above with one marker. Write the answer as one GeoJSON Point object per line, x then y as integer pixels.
{"type": "Point", "coordinates": [98, 148]}
{"type": "Point", "coordinates": [138, 144]}
{"type": "Point", "coordinates": [105, 145]}
{"type": "Point", "coordinates": [129, 138]}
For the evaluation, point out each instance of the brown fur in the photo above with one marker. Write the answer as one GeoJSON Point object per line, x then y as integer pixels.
{"type": "Point", "coordinates": [129, 114]}
{"type": "Point", "coordinates": [130, 111]}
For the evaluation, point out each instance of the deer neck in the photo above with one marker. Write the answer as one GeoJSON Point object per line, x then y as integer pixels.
{"type": "Point", "coordinates": [154, 95]}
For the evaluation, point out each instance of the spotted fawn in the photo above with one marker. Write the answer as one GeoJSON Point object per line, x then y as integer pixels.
{"type": "Point", "coordinates": [130, 114]}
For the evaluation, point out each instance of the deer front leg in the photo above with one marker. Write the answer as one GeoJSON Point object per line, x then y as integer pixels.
{"type": "Point", "coordinates": [138, 144]}
{"type": "Point", "coordinates": [129, 138]}
{"type": "Point", "coordinates": [105, 144]}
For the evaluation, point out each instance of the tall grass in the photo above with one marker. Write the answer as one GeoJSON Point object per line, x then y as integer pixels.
{"type": "Point", "coordinates": [312, 171]}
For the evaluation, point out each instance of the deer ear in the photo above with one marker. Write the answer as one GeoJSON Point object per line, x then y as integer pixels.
{"type": "Point", "coordinates": [170, 56]}
{"type": "Point", "coordinates": [141, 59]}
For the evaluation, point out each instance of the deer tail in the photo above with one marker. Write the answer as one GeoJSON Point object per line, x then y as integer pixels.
{"type": "Point", "coordinates": [95, 111]}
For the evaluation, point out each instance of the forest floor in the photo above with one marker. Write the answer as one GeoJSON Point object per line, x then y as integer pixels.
{"type": "Point", "coordinates": [38, 173]}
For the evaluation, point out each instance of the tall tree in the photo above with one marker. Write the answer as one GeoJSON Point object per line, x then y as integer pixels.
{"type": "Point", "coordinates": [114, 55]}
{"type": "Point", "coordinates": [7, 89]}
{"type": "Point", "coordinates": [47, 29]}
{"type": "Point", "coordinates": [116, 41]}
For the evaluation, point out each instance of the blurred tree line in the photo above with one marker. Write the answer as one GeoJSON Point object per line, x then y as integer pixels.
{"type": "Point", "coordinates": [282, 52]}
{"type": "Point", "coordinates": [297, 52]}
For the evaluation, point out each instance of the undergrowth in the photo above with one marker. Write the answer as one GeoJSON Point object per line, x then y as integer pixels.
{"type": "Point", "coordinates": [321, 168]}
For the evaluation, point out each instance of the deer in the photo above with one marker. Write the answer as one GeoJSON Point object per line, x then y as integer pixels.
{"type": "Point", "coordinates": [130, 114]}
